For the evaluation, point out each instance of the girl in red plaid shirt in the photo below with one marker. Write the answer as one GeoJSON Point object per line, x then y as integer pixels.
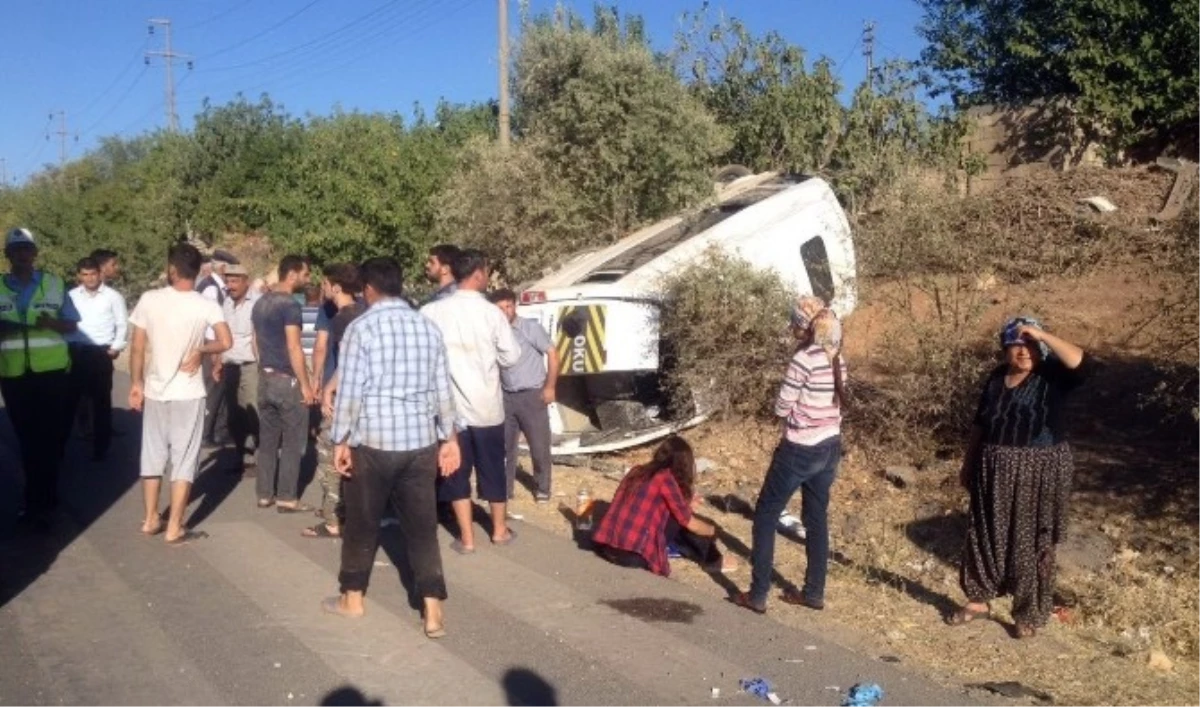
{"type": "Point", "coordinates": [653, 507]}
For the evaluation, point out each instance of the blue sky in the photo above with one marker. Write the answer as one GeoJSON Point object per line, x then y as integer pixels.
{"type": "Point", "coordinates": [87, 57]}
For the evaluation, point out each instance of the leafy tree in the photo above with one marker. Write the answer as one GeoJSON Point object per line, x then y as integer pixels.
{"type": "Point", "coordinates": [1127, 67]}
{"type": "Point", "coordinates": [620, 128]}
{"type": "Point", "coordinates": [234, 164]}
{"type": "Point", "coordinates": [514, 205]}
{"type": "Point", "coordinates": [362, 185]}
{"type": "Point", "coordinates": [782, 114]}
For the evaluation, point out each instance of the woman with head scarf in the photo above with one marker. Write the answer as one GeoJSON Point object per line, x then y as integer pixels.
{"type": "Point", "coordinates": [1017, 469]}
{"type": "Point", "coordinates": [810, 403]}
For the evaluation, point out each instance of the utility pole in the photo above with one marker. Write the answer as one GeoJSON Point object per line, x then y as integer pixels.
{"type": "Point", "coordinates": [169, 56]}
{"type": "Point", "coordinates": [504, 117]}
{"type": "Point", "coordinates": [868, 44]}
{"type": "Point", "coordinates": [62, 134]}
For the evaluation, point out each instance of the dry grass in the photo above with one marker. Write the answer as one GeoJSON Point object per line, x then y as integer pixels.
{"type": "Point", "coordinates": [893, 576]}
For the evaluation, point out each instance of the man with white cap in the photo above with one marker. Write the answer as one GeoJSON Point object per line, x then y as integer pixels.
{"type": "Point", "coordinates": [35, 316]}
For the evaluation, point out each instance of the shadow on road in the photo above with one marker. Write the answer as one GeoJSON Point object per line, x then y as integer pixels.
{"type": "Point", "coordinates": [87, 490]}
{"type": "Point", "coordinates": [525, 687]}
{"type": "Point", "coordinates": [348, 695]}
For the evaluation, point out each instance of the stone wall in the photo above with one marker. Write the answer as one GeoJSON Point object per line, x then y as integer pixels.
{"type": "Point", "coordinates": [1013, 141]}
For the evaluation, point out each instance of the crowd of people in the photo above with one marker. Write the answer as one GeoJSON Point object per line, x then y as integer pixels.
{"type": "Point", "coordinates": [405, 404]}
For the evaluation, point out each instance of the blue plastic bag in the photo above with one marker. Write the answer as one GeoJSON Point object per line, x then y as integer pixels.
{"type": "Point", "coordinates": [864, 694]}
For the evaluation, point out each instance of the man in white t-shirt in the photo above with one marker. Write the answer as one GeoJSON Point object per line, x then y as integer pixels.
{"type": "Point", "coordinates": [479, 341]}
{"type": "Point", "coordinates": [172, 321]}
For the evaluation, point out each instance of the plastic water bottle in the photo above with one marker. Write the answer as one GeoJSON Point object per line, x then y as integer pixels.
{"type": "Point", "coordinates": [583, 509]}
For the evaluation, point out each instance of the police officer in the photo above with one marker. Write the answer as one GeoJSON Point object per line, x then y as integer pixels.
{"type": "Point", "coordinates": [35, 316]}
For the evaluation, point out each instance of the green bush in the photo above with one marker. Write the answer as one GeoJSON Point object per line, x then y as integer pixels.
{"type": "Point", "coordinates": [724, 325]}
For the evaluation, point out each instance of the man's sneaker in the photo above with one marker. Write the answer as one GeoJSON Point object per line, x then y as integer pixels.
{"type": "Point", "coordinates": [542, 499]}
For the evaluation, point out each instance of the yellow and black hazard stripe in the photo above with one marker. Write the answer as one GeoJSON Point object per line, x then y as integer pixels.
{"type": "Point", "coordinates": [581, 340]}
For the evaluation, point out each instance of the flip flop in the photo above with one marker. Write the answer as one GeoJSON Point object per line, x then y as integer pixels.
{"type": "Point", "coordinates": [187, 537]}
{"type": "Point", "coordinates": [507, 539]}
{"type": "Point", "coordinates": [461, 549]}
{"type": "Point", "coordinates": [332, 605]}
{"type": "Point", "coordinates": [298, 508]}
{"type": "Point", "coordinates": [742, 599]}
{"type": "Point", "coordinates": [800, 599]}
{"type": "Point", "coordinates": [320, 530]}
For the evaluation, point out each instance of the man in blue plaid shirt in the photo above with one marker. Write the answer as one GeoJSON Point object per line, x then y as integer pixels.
{"type": "Point", "coordinates": [394, 431]}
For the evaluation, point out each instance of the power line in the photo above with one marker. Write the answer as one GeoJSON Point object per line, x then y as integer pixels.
{"type": "Point", "coordinates": [169, 55]}
{"type": "Point", "coordinates": [264, 32]}
{"type": "Point", "coordinates": [838, 70]}
{"type": "Point", "coordinates": [868, 42]}
{"type": "Point", "coordinates": [108, 89]}
{"type": "Point", "coordinates": [304, 69]}
{"type": "Point", "coordinates": [218, 16]}
{"type": "Point", "coordinates": [120, 99]}
{"type": "Point", "coordinates": [62, 134]}
{"type": "Point", "coordinates": [326, 39]}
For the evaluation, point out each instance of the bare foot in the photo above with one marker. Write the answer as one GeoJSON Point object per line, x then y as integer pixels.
{"type": "Point", "coordinates": [435, 626]}
{"type": "Point", "coordinates": [152, 527]}
{"type": "Point", "coordinates": [339, 605]}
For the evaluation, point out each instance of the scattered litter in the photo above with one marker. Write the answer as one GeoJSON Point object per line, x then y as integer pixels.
{"type": "Point", "coordinates": [793, 660]}
{"type": "Point", "coordinates": [279, 665]}
{"type": "Point", "coordinates": [716, 693]}
{"type": "Point", "coordinates": [382, 563]}
{"type": "Point", "coordinates": [1013, 690]}
{"type": "Point", "coordinates": [864, 694]}
{"type": "Point", "coordinates": [291, 696]}
{"type": "Point", "coordinates": [760, 688]}
{"type": "Point", "coordinates": [1099, 203]}
{"type": "Point", "coordinates": [791, 525]}
{"type": "Point", "coordinates": [810, 648]}
{"type": "Point", "coordinates": [1160, 662]}
{"type": "Point", "coordinates": [704, 465]}
{"type": "Point", "coordinates": [833, 688]}
{"type": "Point", "coordinates": [515, 516]}
{"type": "Point", "coordinates": [889, 658]}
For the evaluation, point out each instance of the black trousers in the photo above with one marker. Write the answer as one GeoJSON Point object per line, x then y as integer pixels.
{"type": "Point", "coordinates": [406, 480]}
{"type": "Point", "coordinates": [695, 547]}
{"type": "Point", "coordinates": [37, 406]}
{"type": "Point", "coordinates": [91, 384]}
{"type": "Point", "coordinates": [216, 426]}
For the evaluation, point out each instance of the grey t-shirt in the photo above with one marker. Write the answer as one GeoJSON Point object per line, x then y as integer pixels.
{"type": "Point", "coordinates": [273, 312]}
{"type": "Point", "coordinates": [530, 370]}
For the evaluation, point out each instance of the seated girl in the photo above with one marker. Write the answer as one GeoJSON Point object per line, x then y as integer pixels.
{"type": "Point", "coordinates": [653, 507]}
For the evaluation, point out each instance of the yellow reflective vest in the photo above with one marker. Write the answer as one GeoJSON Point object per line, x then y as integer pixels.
{"type": "Point", "coordinates": [32, 349]}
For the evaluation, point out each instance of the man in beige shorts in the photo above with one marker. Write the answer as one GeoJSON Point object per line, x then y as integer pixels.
{"type": "Point", "coordinates": [169, 390]}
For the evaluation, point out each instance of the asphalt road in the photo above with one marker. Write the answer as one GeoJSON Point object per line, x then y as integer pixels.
{"type": "Point", "coordinates": [96, 613]}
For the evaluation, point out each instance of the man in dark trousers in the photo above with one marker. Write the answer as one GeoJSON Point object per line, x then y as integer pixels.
{"type": "Point", "coordinates": [99, 339]}
{"type": "Point", "coordinates": [284, 390]}
{"type": "Point", "coordinates": [36, 314]}
{"type": "Point", "coordinates": [213, 287]}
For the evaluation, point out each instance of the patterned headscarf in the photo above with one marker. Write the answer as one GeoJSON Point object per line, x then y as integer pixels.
{"type": "Point", "coordinates": [812, 314]}
{"type": "Point", "coordinates": [1009, 335]}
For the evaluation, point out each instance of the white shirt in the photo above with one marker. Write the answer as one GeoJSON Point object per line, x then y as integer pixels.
{"type": "Point", "coordinates": [479, 340]}
{"type": "Point", "coordinates": [102, 317]}
{"type": "Point", "coordinates": [241, 327]}
{"type": "Point", "coordinates": [174, 322]}
{"type": "Point", "coordinates": [214, 294]}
